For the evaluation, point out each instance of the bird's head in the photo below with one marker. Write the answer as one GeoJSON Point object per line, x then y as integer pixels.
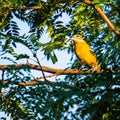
{"type": "Point", "coordinates": [77, 38]}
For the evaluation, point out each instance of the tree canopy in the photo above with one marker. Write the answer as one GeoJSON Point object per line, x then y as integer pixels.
{"type": "Point", "coordinates": [81, 94]}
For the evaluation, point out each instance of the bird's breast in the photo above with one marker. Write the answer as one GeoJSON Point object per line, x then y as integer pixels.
{"type": "Point", "coordinates": [83, 53]}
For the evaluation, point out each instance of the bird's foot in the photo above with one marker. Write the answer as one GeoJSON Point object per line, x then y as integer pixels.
{"type": "Point", "coordinates": [95, 69]}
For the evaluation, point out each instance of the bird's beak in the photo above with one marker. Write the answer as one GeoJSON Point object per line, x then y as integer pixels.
{"type": "Point", "coordinates": [72, 38]}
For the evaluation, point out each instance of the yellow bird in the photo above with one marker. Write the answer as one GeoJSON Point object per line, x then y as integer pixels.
{"type": "Point", "coordinates": [85, 53]}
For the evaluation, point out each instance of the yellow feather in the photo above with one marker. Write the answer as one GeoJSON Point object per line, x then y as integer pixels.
{"type": "Point", "coordinates": [84, 52]}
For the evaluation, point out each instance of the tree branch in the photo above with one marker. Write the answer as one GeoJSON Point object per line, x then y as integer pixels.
{"type": "Point", "coordinates": [103, 16]}
{"type": "Point", "coordinates": [37, 81]}
{"type": "Point", "coordinates": [51, 70]}
{"type": "Point", "coordinates": [44, 68]}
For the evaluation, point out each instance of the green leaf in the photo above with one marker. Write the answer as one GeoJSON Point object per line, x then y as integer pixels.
{"type": "Point", "coordinates": [54, 58]}
{"type": "Point", "coordinates": [21, 56]}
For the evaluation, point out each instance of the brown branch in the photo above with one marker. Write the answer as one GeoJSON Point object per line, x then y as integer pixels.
{"type": "Point", "coordinates": [25, 8]}
{"type": "Point", "coordinates": [35, 82]}
{"type": "Point", "coordinates": [48, 76]}
{"type": "Point", "coordinates": [38, 80]}
{"type": "Point", "coordinates": [9, 9]}
{"type": "Point", "coordinates": [4, 92]}
{"type": "Point", "coordinates": [24, 84]}
{"type": "Point", "coordinates": [31, 83]}
{"type": "Point", "coordinates": [103, 16]}
{"type": "Point", "coordinates": [44, 68]}
{"type": "Point", "coordinates": [51, 70]}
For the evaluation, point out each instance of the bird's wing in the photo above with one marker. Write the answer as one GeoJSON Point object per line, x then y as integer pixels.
{"type": "Point", "coordinates": [91, 51]}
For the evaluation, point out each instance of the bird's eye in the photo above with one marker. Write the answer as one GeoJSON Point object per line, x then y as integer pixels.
{"type": "Point", "coordinates": [77, 36]}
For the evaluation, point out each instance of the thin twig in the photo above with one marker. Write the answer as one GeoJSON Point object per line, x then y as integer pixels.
{"type": "Point", "coordinates": [48, 76]}
{"type": "Point", "coordinates": [40, 67]}
{"type": "Point", "coordinates": [3, 74]}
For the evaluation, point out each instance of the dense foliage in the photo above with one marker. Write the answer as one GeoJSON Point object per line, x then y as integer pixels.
{"type": "Point", "coordinates": [83, 96]}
